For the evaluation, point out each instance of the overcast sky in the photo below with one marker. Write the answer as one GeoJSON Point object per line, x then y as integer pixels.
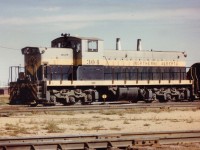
{"type": "Point", "coordinates": [161, 24]}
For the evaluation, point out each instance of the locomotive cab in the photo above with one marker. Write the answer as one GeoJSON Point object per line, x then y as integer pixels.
{"type": "Point", "coordinates": [83, 48]}
{"type": "Point", "coordinates": [87, 55]}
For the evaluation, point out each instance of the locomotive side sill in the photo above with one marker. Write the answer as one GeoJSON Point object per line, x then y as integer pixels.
{"type": "Point", "coordinates": [118, 82]}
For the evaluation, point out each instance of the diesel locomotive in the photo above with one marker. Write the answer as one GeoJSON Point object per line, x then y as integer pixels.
{"type": "Point", "coordinates": [79, 70]}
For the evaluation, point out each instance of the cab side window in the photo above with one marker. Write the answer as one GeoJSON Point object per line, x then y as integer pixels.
{"type": "Point", "coordinates": [92, 46]}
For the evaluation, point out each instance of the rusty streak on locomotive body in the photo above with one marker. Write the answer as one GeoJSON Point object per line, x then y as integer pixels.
{"type": "Point", "coordinates": [78, 69]}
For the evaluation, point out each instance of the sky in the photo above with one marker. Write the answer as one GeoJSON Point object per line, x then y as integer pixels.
{"type": "Point", "coordinates": [166, 25]}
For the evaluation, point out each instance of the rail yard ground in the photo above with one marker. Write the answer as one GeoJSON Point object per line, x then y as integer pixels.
{"type": "Point", "coordinates": [4, 99]}
{"type": "Point", "coordinates": [97, 122]}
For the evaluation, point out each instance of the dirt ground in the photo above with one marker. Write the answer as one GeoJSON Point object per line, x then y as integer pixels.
{"type": "Point", "coordinates": [97, 122]}
{"type": "Point", "coordinates": [90, 122]}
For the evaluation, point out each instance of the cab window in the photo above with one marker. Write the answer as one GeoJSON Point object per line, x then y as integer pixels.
{"type": "Point", "coordinates": [92, 46]}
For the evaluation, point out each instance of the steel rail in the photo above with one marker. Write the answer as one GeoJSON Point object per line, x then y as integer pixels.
{"type": "Point", "coordinates": [6, 110]}
{"type": "Point", "coordinates": [124, 143]}
{"type": "Point", "coordinates": [121, 140]}
{"type": "Point", "coordinates": [140, 136]}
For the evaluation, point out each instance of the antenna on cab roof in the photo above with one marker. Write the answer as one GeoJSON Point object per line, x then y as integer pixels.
{"type": "Point", "coordinates": [65, 35]}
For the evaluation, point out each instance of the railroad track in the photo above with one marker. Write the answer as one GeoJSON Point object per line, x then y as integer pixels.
{"type": "Point", "coordinates": [6, 110]}
{"type": "Point", "coordinates": [139, 140]}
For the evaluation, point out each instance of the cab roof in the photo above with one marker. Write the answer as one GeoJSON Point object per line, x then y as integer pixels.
{"type": "Point", "coordinates": [76, 38]}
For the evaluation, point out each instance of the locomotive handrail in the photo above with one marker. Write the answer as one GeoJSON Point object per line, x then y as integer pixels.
{"type": "Point", "coordinates": [17, 71]}
{"type": "Point", "coordinates": [61, 74]}
{"type": "Point", "coordinates": [72, 74]}
{"type": "Point", "coordinates": [113, 76]}
{"type": "Point", "coordinates": [137, 76]}
{"type": "Point", "coordinates": [180, 76]}
{"type": "Point", "coordinates": [196, 78]}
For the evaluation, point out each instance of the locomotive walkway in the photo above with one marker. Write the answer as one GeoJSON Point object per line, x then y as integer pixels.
{"type": "Point", "coordinates": [128, 141]}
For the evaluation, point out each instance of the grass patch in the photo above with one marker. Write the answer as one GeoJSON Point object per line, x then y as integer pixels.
{"type": "Point", "coordinates": [115, 128]}
{"type": "Point", "coordinates": [53, 127]}
{"type": "Point", "coordinates": [147, 110]}
{"type": "Point", "coordinates": [174, 120]}
{"type": "Point", "coordinates": [146, 124]}
{"type": "Point", "coordinates": [35, 128]}
{"type": "Point", "coordinates": [83, 129]}
{"type": "Point", "coordinates": [69, 113]}
{"type": "Point", "coordinates": [100, 127]}
{"type": "Point", "coordinates": [15, 129]}
{"type": "Point", "coordinates": [96, 117]}
{"type": "Point", "coordinates": [10, 126]}
{"type": "Point", "coordinates": [112, 112]}
{"type": "Point", "coordinates": [109, 119]}
{"type": "Point", "coordinates": [190, 120]}
{"type": "Point", "coordinates": [126, 122]}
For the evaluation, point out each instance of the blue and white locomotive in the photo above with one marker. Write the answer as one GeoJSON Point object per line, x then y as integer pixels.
{"type": "Point", "coordinates": [78, 69]}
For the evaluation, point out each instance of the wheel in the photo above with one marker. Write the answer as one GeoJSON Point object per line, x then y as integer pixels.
{"type": "Point", "coordinates": [168, 97]}
{"type": "Point", "coordinates": [72, 100]}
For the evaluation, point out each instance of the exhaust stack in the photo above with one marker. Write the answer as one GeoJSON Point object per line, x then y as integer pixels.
{"type": "Point", "coordinates": [139, 45]}
{"type": "Point", "coordinates": [118, 44]}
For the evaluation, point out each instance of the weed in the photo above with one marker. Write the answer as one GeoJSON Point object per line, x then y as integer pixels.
{"type": "Point", "coordinates": [190, 120]}
{"type": "Point", "coordinates": [134, 119]}
{"type": "Point", "coordinates": [32, 121]}
{"type": "Point", "coordinates": [70, 113]}
{"type": "Point", "coordinates": [109, 119]}
{"type": "Point", "coordinates": [82, 129]}
{"type": "Point", "coordinates": [82, 112]}
{"type": "Point", "coordinates": [111, 112]}
{"type": "Point", "coordinates": [21, 130]}
{"type": "Point", "coordinates": [134, 111]}
{"type": "Point", "coordinates": [126, 122]}
{"type": "Point", "coordinates": [35, 112]}
{"type": "Point", "coordinates": [14, 130]}
{"type": "Point", "coordinates": [121, 113]}
{"type": "Point", "coordinates": [21, 121]}
{"type": "Point", "coordinates": [146, 124]}
{"type": "Point", "coordinates": [92, 112]}
{"type": "Point", "coordinates": [194, 109]}
{"type": "Point", "coordinates": [35, 127]}
{"type": "Point", "coordinates": [96, 117]}
{"type": "Point", "coordinates": [10, 126]}
{"type": "Point", "coordinates": [115, 128]}
{"type": "Point", "coordinates": [98, 128]}
{"type": "Point", "coordinates": [52, 127]}
{"type": "Point", "coordinates": [4, 99]}
{"type": "Point", "coordinates": [174, 120]}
